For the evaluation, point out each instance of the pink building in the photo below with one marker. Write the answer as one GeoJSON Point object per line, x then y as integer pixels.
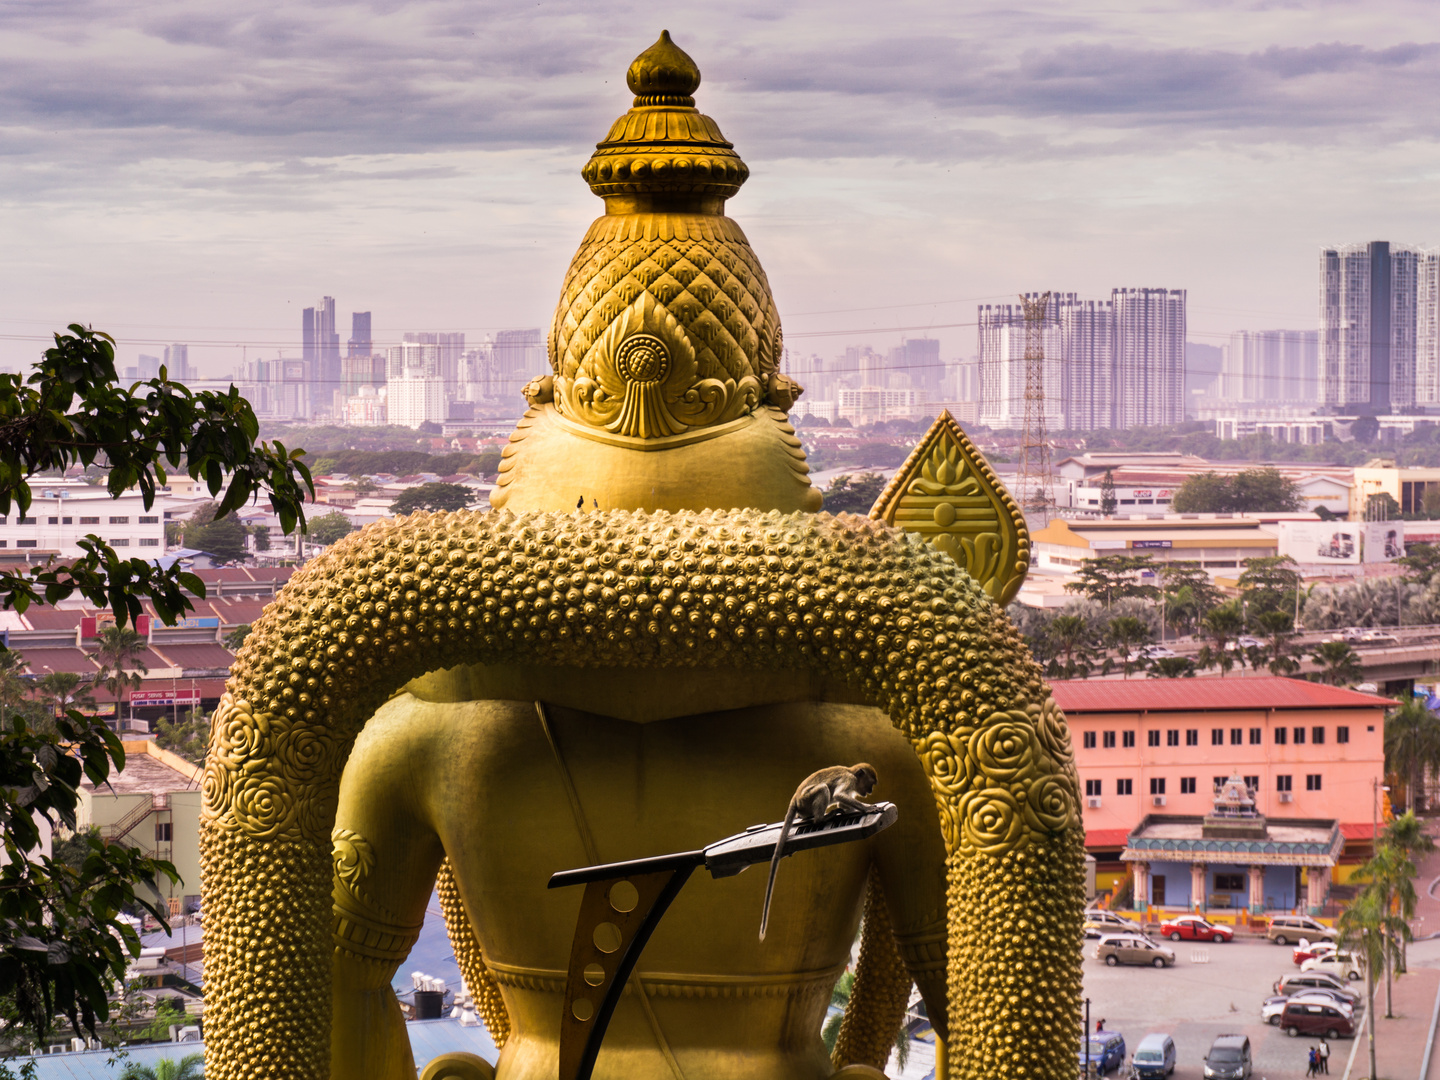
{"type": "Point", "coordinates": [1152, 753]}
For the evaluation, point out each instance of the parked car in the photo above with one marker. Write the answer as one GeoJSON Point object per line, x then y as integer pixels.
{"type": "Point", "coordinates": [1132, 949]}
{"type": "Point", "coordinates": [1284, 929]}
{"type": "Point", "coordinates": [1308, 950]}
{"type": "Point", "coordinates": [1106, 1050]}
{"type": "Point", "coordinates": [1293, 984]}
{"type": "Point", "coordinates": [1303, 1017]}
{"type": "Point", "coordinates": [1155, 1057]}
{"type": "Point", "coordinates": [1229, 1058]}
{"type": "Point", "coordinates": [1342, 965]}
{"type": "Point", "coordinates": [1099, 922]}
{"type": "Point", "coordinates": [1272, 1008]}
{"type": "Point", "coordinates": [1194, 928]}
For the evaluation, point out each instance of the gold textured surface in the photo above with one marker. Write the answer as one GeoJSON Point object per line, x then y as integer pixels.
{"type": "Point", "coordinates": [897, 621]}
{"type": "Point", "coordinates": [947, 493]}
{"type": "Point", "coordinates": [479, 980]}
{"type": "Point", "coordinates": [880, 993]}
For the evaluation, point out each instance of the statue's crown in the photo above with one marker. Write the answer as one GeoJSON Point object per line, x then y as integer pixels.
{"type": "Point", "coordinates": [664, 144]}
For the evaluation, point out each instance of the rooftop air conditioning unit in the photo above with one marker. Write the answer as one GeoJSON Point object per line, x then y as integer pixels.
{"type": "Point", "coordinates": [1159, 800]}
{"type": "Point", "coordinates": [1287, 796]}
{"type": "Point", "coordinates": [1093, 802]}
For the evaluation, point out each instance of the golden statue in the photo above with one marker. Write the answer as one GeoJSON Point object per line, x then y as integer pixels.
{"type": "Point", "coordinates": [494, 697]}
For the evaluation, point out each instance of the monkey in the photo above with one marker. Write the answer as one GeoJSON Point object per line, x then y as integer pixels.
{"type": "Point", "coordinates": [819, 796]}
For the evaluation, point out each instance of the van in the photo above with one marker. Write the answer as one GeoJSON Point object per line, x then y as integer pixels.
{"type": "Point", "coordinates": [1229, 1058]}
{"type": "Point", "coordinates": [1155, 1057]}
{"type": "Point", "coordinates": [1285, 929]}
{"type": "Point", "coordinates": [1132, 949]}
{"type": "Point", "coordinates": [1308, 1017]}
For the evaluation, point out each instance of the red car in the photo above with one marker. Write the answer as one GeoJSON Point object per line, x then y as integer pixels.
{"type": "Point", "coordinates": [1195, 928]}
{"type": "Point", "coordinates": [1312, 949]}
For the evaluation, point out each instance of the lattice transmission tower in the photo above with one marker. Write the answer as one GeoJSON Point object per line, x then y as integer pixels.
{"type": "Point", "coordinates": [1036, 482]}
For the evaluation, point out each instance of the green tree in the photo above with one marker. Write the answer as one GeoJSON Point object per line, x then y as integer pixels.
{"type": "Point", "coordinates": [1279, 630]}
{"type": "Point", "coordinates": [189, 736]}
{"type": "Point", "coordinates": [1069, 638]}
{"type": "Point", "coordinates": [166, 1015]}
{"type": "Point", "coordinates": [330, 527]}
{"type": "Point", "coordinates": [1269, 583]}
{"type": "Point", "coordinates": [1107, 494]}
{"type": "Point", "coordinates": [121, 658]}
{"type": "Point", "coordinates": [1127, 634]}
{"type": "Point", "coordinates": [1381, 506]}
{"type": "Point", "coordinates": [1188, 593]}
{"type": "Point", "coordinates": [223, 538]}
{"type": "Point", "coordinates": [1421, 561]}
{"type": "Point", "coordinates": [433, 496]}
{"type": "Point", "coordinates": [1364, 429]}
{"type": "Point", "coordinates": [260, 533]}
{"type": "Point", "coordinates": [62, 690]}
{"type": "Point", "coordinates": [1340, 663]}
{"type": "Point", "coordinates": [1412, 745]}
{"type": "Point", "coordinates": [1221, 627]}
{"type": "Point", "coordinates": [1407, 835]}
{"type": "Point", "coordinates": [64, 946]}
{"type": "Point", "coordinates": [852, 494]}
{"type": "Point", "coordinates": [190, 1067]}
{"type": "Point", "coordinates": [1114, 577]}
{"type": "Point", "coordinates": [1249, 491]}
{"type": "Point", "coordinates": [236, 637]}
{"type": "Point", "coordinates": [1172, 667]}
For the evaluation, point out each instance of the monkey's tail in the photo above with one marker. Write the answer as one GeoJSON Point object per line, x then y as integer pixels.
{"type": "Point", "coordinates": [880, 993]}
{"type": "Point", "coordinates": [775, 865]}
{"type": "Point", "coordinates": [482, 985]}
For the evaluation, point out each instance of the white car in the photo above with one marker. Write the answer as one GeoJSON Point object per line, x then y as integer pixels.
{"type": "Point", "coordinates": [1152, 652]}
{"type": "Point", "coordinates": [1340, 964]}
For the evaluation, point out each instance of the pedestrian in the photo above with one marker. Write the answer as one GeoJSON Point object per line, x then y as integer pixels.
{"type": "Point", "coordinates": [1314, 1067]}
{"type": "Point", "coordinates": [1099, 1025]}
{"type": "Point", "coordinates": [1324, 1052]}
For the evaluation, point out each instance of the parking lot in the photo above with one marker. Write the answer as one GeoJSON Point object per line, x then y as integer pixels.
{"type": "Point", "coordinates": [1194, 1002]}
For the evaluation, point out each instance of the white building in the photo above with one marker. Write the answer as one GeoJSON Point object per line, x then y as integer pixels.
{"type": "Point", "coordinates": [64, 512]}
{"type": "Point", "coordinates": [1149, 357]}
{"type": "Point", "coordinates": [1271, 366]}
{"type": "Point", "coordinates": [415, 398]}
{"type": "Point", "coordinates": [1002, 369]}
{"type": "Point", "coordinates": [869, 404]}
{"type": "Point", "coordinates": [368, 408]}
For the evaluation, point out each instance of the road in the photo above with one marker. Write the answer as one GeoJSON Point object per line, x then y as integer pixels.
{"type": "Point", "coordinates": [1194, 1002]}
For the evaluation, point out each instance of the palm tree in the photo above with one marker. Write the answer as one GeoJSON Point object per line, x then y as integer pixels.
{"type": "Point", "coordinates": [1360, 933]}
{"type": "Point", "coordinates": [1341, 663]}
{"type": "Point", "coordinates": [1388, 892]}
{"type": "Point", "coordinates": [121, 647]}
{"type": "Point", "coordinates": [64, 689]}
{"type": "Point", "coordinates": [13, 688]}
{"type": "Point", "coordinates": [1412, 745]}
{"type": "Point", "coordinates": [1407, 835]}
{"type": "Point", "coordinates": [1279, 627]}
{"type": "Point", "coordinates": [1221, 626]}
{"type": "Point", "coordinates": [1127, 633]}
{"type": "Point", "coordinates": [1069, 636]}
{"type": "Point", "coordinates": [190, 1067]}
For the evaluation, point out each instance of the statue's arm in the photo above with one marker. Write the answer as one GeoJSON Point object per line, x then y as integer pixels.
{"type": "Point", "coordinates": [386, 858]}
{"type": "Point", "coordinates": [911, 859]}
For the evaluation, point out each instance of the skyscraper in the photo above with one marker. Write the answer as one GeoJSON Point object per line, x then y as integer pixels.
{"type": "Point", "coordinates": [519, 357]}
{"type": "Point", "coordinates": [1149, 370]}
{"type": "Point", "coordinates": [359, 343]}
{"type": "Point", "coordinates": [177, 363]}
{"type": "Point", "coordinates": [322, 347]}
{"type": "Point", "coordinates": [1002, 367]}
{"type": "Point", "coordinates": [1271, 366]}
{"type": "Point", "coordinates": [1427, 329]}
{"type": "Point", "coordinates": [1370, 316]}
{"type": "Point", "coordinates": [1087, 361]}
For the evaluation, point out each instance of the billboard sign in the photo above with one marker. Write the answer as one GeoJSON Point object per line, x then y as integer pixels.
{"type": "Point", "coordinates": [1384, 541]}
{"type": "Point", "coordinates": [197, 623]}
{"type": "Point", "coordinates": [182, 696]}
{"type": "Point", "coordinates": [1149, 543]}
{"type": "Point", "coordinates": [92, 626]}
{"type": "Point", "coordinates": [1313, 542]}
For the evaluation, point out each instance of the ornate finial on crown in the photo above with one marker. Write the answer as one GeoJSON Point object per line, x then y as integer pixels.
{"type": "Point", "coordinates": [663, 74]}
{"type": "Point", "coordinates": [663, 145]}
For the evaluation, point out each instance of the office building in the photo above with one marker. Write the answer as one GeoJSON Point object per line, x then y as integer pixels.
{"type": "Point", "coordinates": [1087, 366]}
{"type": "Point", "coordinates": [1271, 366]}
{"type": "Point", "coordinates": [1369, 319]}
{"type": "Point", "coordinates": [321, 347]}
{"type": "Point", "coordinates": [360, 343]}
{"type": "Point", "coordinates": [177, 363]}
{"type": "Point", "coordinates": [1427, 329]}
{"type": "Point", "coordinates": [149, 367]}
{"type": "Point", "coordinates": [362, 369]}
{"type": "Point", "coordinates": [1149, 367]}
{"type": "Point", "coordinates": [915, 363]}
{"type": "Point", "coordinates": [1002, 334]}
{"type": "Point", "coordinates": [519, 357]}
{"type": "Point", "coordinates": [415, 397]}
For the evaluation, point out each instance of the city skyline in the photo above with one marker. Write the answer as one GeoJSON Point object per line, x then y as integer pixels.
{"type": "Point", "coordinates": [422, 162]}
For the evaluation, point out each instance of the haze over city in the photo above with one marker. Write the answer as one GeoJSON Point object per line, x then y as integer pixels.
{"type": "Point", "coordinates": [198, 173]}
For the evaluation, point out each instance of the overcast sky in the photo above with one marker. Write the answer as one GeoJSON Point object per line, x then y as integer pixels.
{"type": "Point", "coordinates": [199, 172]}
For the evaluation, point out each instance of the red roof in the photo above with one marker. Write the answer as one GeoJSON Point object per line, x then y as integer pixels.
{"type": "Point", "coordinates": [1357, 830]}
{"type": "Point", "coordinates": [1106, 838]}
{"type": "Point", "coordinates": [1190, 695]}
{"type": "Point", "coordinates": [44, 661]}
